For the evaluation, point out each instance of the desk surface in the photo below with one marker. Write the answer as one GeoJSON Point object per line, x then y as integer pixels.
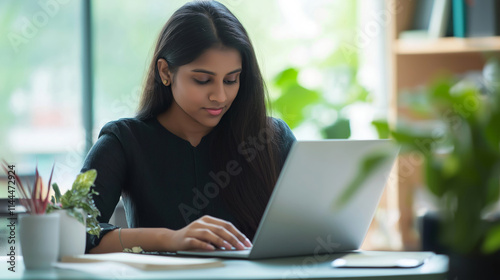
{"type": "Point", "coordinates": [308, 267]}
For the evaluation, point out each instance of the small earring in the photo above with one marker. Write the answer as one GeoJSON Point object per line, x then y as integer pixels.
{"type": "Point", "coordinates": [165, 82]}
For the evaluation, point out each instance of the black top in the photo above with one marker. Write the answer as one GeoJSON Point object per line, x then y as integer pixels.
{"type": "Point", "coordinates": [164, 181]}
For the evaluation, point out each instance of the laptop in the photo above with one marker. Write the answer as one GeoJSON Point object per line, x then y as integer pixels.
{"type": "Point", "coordinates": [304, 215]}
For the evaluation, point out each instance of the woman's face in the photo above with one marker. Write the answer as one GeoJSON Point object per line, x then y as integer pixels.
{"type": "Point", "coordinates": [205, 88]}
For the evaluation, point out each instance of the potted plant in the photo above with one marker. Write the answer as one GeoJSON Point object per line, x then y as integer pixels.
{"type": "Point", "coordinates": [38, 231]}
{"type": "Point", "coordinates": [78, 213]}
{"type": "Point", "coordinates": [461, 162]}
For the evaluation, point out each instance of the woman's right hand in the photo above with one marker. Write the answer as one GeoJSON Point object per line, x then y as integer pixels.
{"type": "Point", "coordinates": [206, 233]}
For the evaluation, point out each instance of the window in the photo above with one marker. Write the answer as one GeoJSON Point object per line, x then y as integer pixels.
{"type": "Point", "coordinates": [124, 36]}
{"type": "Point", "coordinates": [40, 116]}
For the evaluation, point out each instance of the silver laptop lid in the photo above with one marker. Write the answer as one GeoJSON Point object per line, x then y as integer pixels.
{"type": "Point", "coordinates": [303, 216]}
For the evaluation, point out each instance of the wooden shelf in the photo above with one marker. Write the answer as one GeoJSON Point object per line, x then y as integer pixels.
{"type": "Point", "coordinates": [413, 63]}
{"type": "Point", "coordinates": [445, 45]}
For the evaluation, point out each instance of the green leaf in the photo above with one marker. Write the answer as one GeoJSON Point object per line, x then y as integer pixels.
{"type": "Point", "coordinates": [85, 180]}
{"type": "Point", "coordinates": [358, 93]}
{"type": "Point", "coordinates": [367, 168]}
{"type": "Point", "coordinates": [451, 166]}
{"type": "Point", "coordinates": [382, 127]}
{"type": "Point", "coordinates": [491, 243]}
{"type": "Point", "coordinates": [80, 196]}
{"type": "Point", "coordinates": [491, 130]}
{"type": "Point", "coordinates": [73, 212]}
{"type": "Point", "coordinates": [57, 193]}
{"type": "Point", "coordinates": [415, 140]}
{"type": "Point", "coordinates": [286, 78]}
{"type": "Point", "coordinates": [492, 189]}
{"type": "Point", "coordinates": [340, 129]}
{"type": "Point", "coordinates": [441, 88]}
{"type": "Point", "coordinates": [433, 177]}
{"type": "Point", "coordinates": [294, 98]}
{"type": "Point", "coordinates": [292, 102]}
{"type": "Point", "coordinates": [52, 207]}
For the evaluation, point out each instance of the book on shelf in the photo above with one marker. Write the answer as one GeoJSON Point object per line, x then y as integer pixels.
{"type": "Point", "coordinates": [439, 18]}
{"type": "Point", "coordinates": [146, 261]}
{"type": "Point", "coordinates": [430, 20]}
{"type": "Point", "coordinates": [459, 18]}
{"type": "Point", "coordinates": [422, 14]}
{"type": "Point", "coordinates": [483, 18]}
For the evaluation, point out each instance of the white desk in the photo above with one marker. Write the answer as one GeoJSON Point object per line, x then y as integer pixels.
{"type": "Point", "coordinates": [285, 268]}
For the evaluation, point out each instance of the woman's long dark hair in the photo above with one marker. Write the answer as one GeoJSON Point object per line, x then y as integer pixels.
{"type": "Point", "coordinates": [245, 133]}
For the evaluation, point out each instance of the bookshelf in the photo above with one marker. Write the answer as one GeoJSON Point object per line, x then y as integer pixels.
{"type": "Point", "coordinates": [448, 45]}
{"type": "Point", "coordinates": [413, 63]}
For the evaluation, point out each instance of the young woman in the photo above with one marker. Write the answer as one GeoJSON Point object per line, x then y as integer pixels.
{"type": "Point", "coordinates": [196, 167]}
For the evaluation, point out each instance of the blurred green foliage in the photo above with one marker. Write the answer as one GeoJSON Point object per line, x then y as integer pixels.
{"type": "Point", "coordinates": [295, 102]}
{"type": "Point", "coordinates": [298, 104]}
{"type": "Point", "coordinates": [293, 98]}
{"type": "Point", "coordinates": [462, 163]}
{"type": "Point", "coordinates": [382, 128]}
{"type": "Point", "coordinates": [461, 152]}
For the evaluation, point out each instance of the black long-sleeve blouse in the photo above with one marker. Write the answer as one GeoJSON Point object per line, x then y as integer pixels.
{"type": "Point", "coordinates": [163, 180]}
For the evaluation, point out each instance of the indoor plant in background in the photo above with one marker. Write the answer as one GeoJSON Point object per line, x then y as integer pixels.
{"type": "Point", "coordinates": [78, 213]}
{"type": "Point", "coordinates": [38, 231]}
{"type": "Point", "coordinates": [461, 158]}
{"type": "Point", "coordinates": [321, 91]}
{"type": "Point", "coordinates": [296, 103]}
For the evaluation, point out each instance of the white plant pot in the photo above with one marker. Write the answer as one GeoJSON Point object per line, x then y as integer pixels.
{"type": "Point", "coordinates": [39, 236]}
{"type": "Point", "coordinates": [72, 234]}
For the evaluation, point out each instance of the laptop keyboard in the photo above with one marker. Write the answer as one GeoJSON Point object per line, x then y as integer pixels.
{"type": "Point", "coordinates": [233, 249]}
